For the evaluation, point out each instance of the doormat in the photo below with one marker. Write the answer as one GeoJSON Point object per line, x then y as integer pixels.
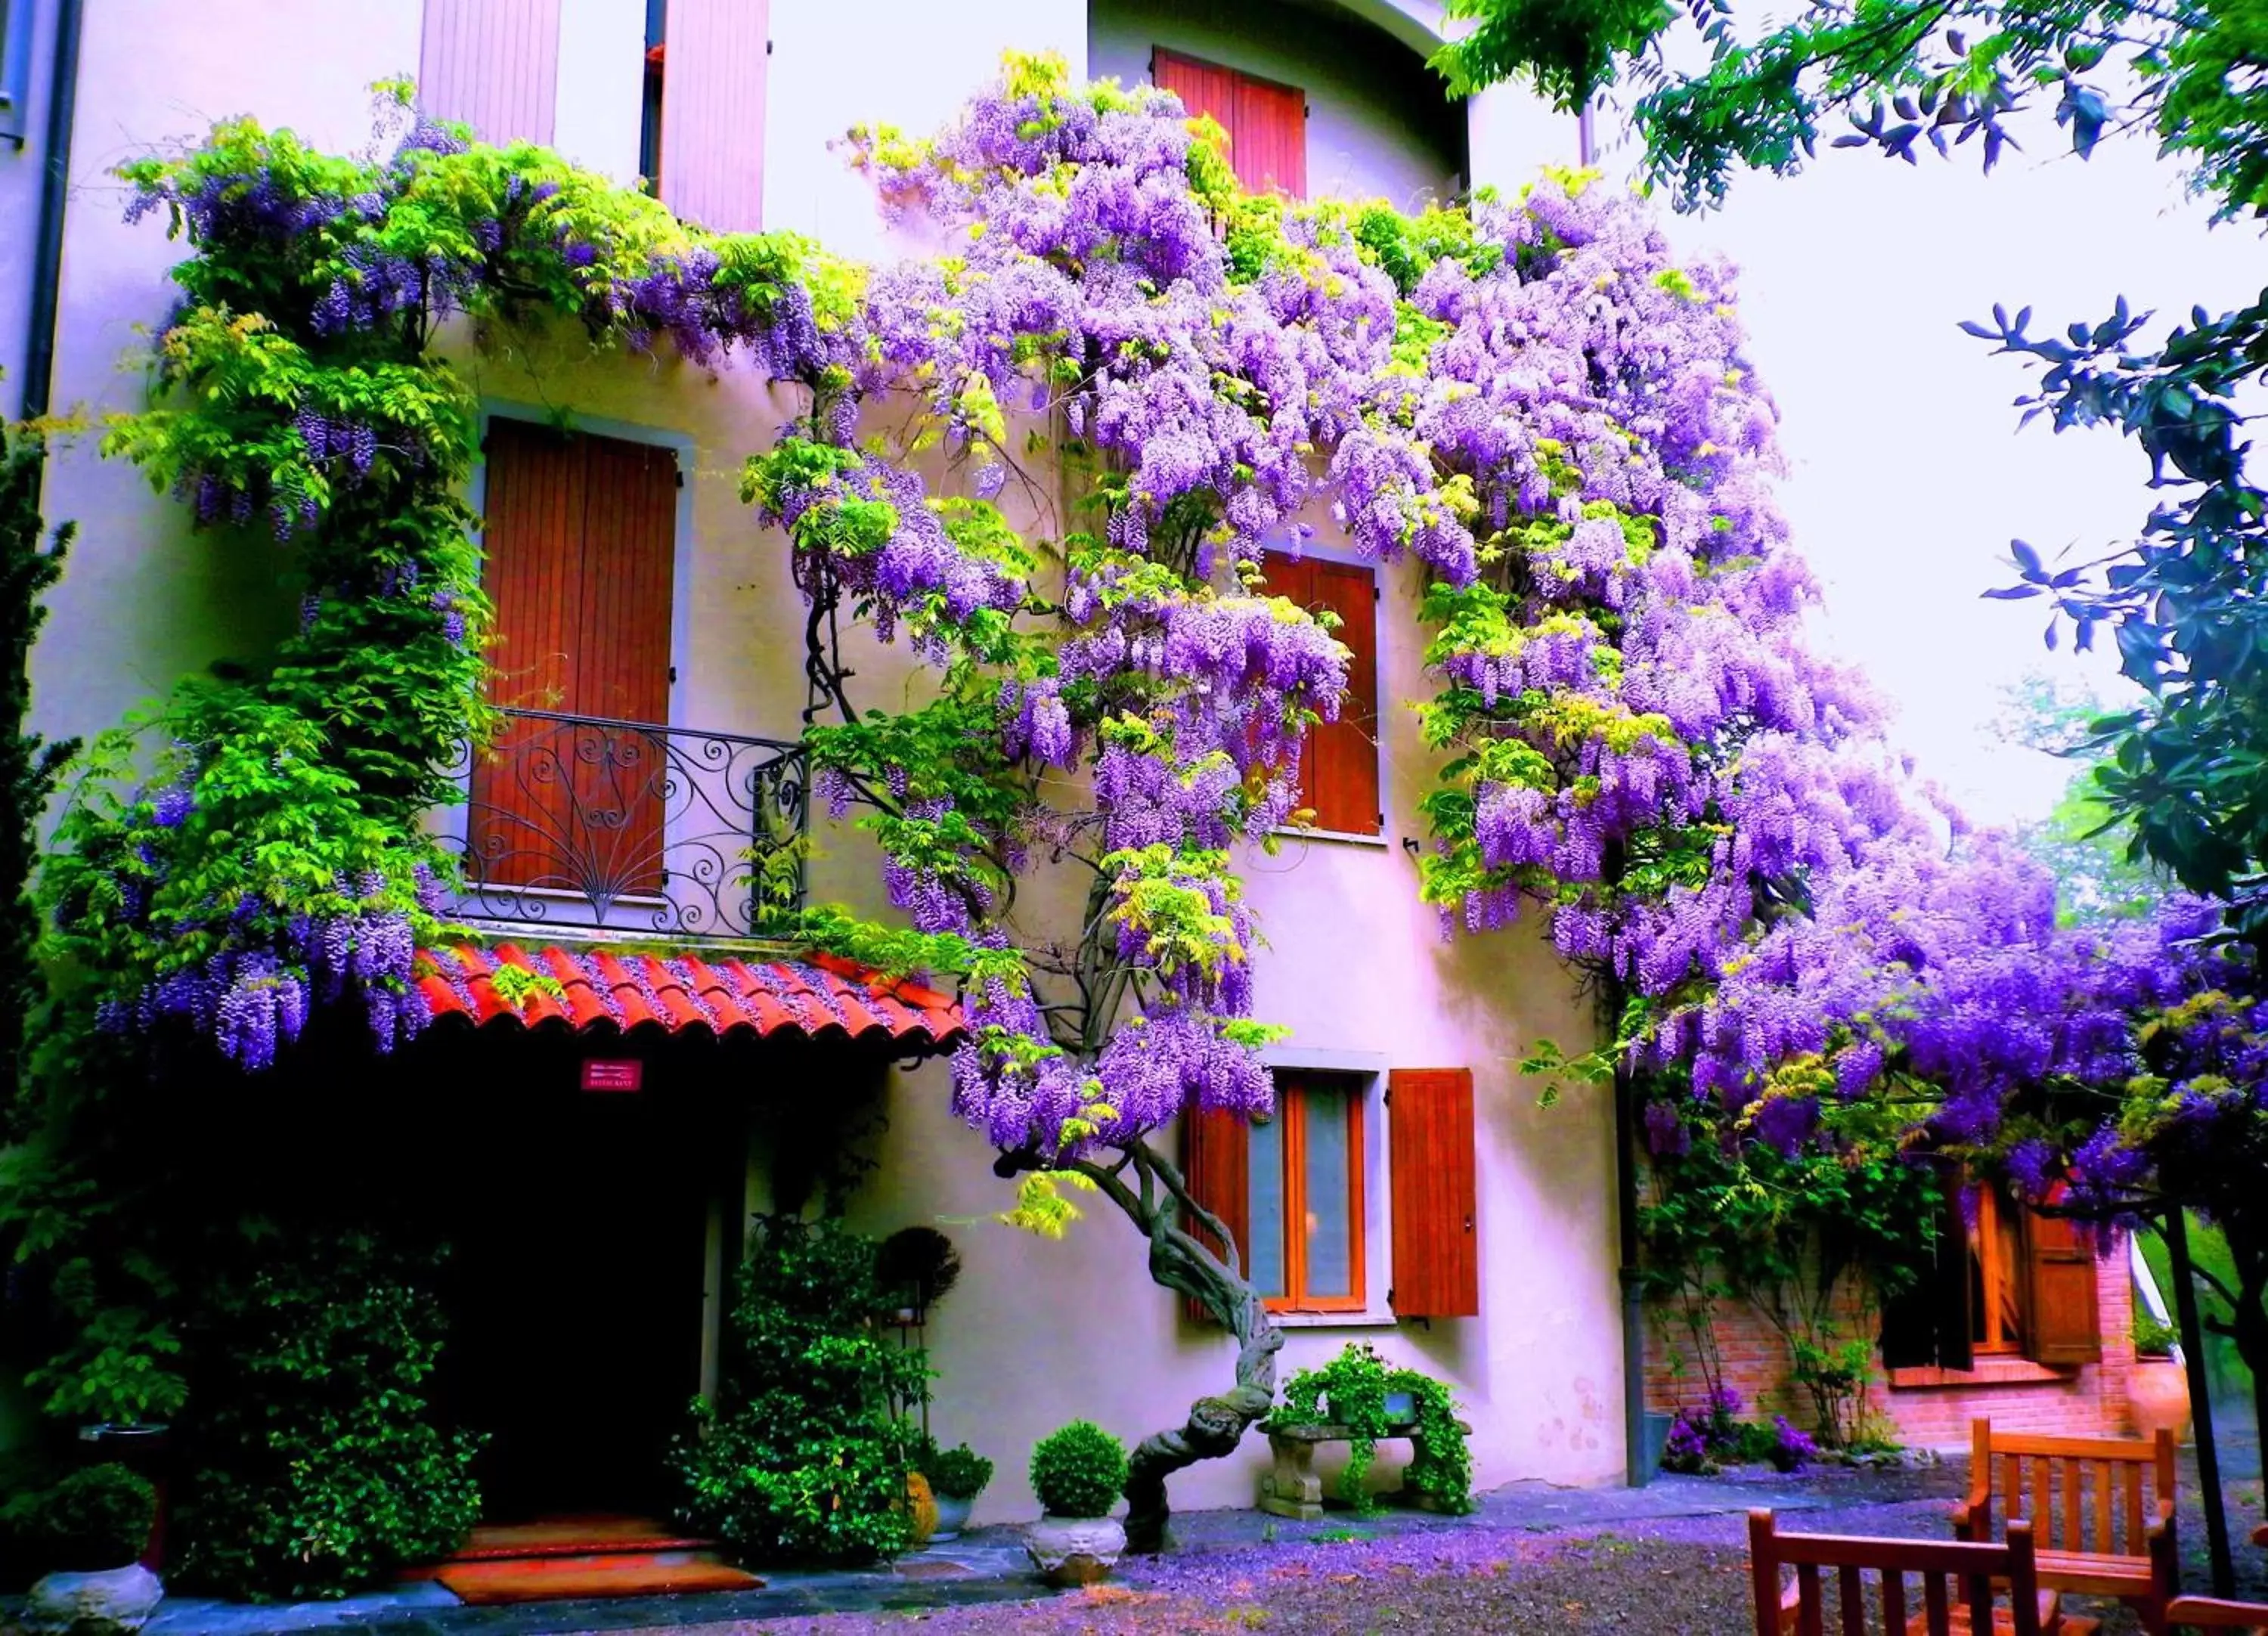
{"type": "Point", "coordinates": [553, 1559]}
{"type": "Point", "coordinates": [556, 1579]}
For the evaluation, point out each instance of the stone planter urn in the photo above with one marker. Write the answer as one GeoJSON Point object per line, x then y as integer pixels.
{"type": "Point", "coordinates": [2158, 1395]}
{"type": "Point", "coordinates": [952, 1515]}
{"type": "Point", "coordinates": [1075, 1550]}
{"type": "Point", "coordinates": [117, 1601]}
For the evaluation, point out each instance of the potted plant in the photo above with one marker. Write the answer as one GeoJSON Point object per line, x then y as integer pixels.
{"type": "Point", "coordinates": [1078, 1473]}
{"type": "Point", "coordinates": [1360, 1393]}
{"type": "Point", "coordinates": [89, 1531]}
{"type": "Point", "coordinates": [2158, 1391]}
{"type": "Point", "coordinates": [956, 1476]}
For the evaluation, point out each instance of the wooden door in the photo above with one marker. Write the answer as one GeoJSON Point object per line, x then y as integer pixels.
{"type": "Point", "coordinates": [580, 540]}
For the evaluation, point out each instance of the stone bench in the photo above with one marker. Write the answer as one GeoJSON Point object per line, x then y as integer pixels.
{"type": "Point", "coordinates": [1292, 1489]}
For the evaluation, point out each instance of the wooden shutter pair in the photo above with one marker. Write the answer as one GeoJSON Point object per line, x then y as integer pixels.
{"type": "Point", "coordinates": [1338, 766]}
{"type": "Point", "coordinates": [580, 540]}
{"type": "Point", "coordinates": [1431, 1177]}
{"type": "Point", "coordinates": [1266, 122]}
{"type": "Point", "coordinates": [1932, 1323]}
{"type": "Point", "coordinates": [494, 65]}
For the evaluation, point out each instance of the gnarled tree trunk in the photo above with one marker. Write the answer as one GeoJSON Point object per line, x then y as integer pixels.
{"type": "Point", "coordinates": [1184, 1263]}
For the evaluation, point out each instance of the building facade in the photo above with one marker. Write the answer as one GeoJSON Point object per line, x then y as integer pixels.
{"type": "Point", "coordinates": [637, 597]}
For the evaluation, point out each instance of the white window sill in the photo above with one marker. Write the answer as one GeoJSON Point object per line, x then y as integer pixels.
{"type": "Point", "coordinates": [1986, 1371]}
{"type": "Point", "coordinates": [1333, 1320]}
{"type": "Point", "coordinates": [1343, 838]}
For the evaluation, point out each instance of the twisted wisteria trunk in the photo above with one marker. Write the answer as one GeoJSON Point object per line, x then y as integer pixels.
{"type": "Point", "coordinates": [1182, 1262]}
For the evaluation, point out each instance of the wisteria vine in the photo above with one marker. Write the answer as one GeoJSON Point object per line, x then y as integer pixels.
{"type": "Point", "coordinates": [1530, 404]}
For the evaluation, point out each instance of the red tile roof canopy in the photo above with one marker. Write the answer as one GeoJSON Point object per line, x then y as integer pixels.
{"type": "Point", "coordinates": [820, 998]}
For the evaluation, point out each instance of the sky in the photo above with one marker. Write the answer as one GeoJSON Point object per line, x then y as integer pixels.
{"type": "Point", "coordinates": [1908, 476]}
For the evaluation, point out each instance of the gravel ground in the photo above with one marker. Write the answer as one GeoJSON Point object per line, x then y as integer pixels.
{"type": "Point", "coordinates": [1673, 1574]}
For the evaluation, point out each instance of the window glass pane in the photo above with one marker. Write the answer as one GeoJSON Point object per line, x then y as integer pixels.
{"type": "Point", "coordinates": [1265, 1252]}
{"type": "Point", "coordinates": [1330, 1190]}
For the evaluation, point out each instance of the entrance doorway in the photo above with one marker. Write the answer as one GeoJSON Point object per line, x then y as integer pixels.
{"type": "Point", "coordinates": [575, 1293]}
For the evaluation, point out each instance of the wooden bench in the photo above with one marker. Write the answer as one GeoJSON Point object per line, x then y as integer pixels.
{"type": "Point", "coordinates": [1966, 1588]}
{"type": "Point", "coordinates": [2097, 1534]}
{"type": "Point", "coordinates": [2212, 1613]}
{"type": "Point", "coordinates": [1292, 1489]}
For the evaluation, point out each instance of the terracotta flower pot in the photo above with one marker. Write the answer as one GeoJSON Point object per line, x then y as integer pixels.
{"type": "Point", "coordinates": [921, 1509]}
{"type": "Point", "coordinates": [2158, 1394]}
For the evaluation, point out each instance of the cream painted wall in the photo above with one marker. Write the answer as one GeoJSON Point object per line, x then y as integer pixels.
{"type": "Point", "coordinates": [1378, 126]}
{"type": "Point", "coordinates": [145, 602]}
{"type": "Point", "coordinates": [1038, 1332]}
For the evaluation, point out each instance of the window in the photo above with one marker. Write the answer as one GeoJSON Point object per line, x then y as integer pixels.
{"type": "Point", "coordinates": [492, 64]}
{"type": "Point", "coordinates": [1338, 765]}
{"type": "Point", "coordinates": [1266, 122]}
{"type": "Point", "coordinates": [1298, 1191]}
{"type": "Point", "coordinates": [657, 28]}
{"type": "Point", "coordinates": [1996, 1285]}
{"type": "Point", "coordinates": [2016, 1283]}
{"type": "Point", "coordinates": [1305, 1175]}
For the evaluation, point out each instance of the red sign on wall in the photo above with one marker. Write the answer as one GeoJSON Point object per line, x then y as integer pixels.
{"type": "Point", "coordinates": [612, 1073]}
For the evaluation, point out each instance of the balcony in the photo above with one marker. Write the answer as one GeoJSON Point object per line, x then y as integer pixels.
{"type": "Point", "coordinates": [631, 829]}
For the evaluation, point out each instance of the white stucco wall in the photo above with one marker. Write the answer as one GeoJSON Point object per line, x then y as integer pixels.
{"type": "Point", "coordinates": [1378, 126]}
{"type": "Point", "coordinates": [601, 85]}
{"type": "Point", "coordinates": [1038, 1332]}
{"type": "Point", "coordinates": [904, 63]}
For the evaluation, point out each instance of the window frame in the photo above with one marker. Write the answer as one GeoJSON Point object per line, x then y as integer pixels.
{"type": "Point", "coordinates": [1292, 1112]}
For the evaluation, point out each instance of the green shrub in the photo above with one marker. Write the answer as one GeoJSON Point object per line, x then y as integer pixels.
{"type": "Point", "coordinates": [1079, 1471]}
{"type": "Point", "coordinates": [93, 1519]}
{"type": "Point", "coordinates": [316, 1463]}
{"type": "Point", "coordinates": [803, 1457]}
{"type": "Point", "coordinates": [2152, 1338]}
{"type": "Point", "coordinates": [955, 1473]}
{"type": "Point", "coordinates": [1351, 1390]}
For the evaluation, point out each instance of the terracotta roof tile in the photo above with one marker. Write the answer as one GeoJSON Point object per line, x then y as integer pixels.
{"type": "Point", "coordinates": [822, 998]}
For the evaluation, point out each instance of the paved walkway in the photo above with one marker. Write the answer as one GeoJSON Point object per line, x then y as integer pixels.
{"type": "Point", "coordinates": [988, 1564]}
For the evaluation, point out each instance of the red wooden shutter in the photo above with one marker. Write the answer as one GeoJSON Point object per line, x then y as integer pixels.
{"type": "Point", "coordinates": [1216, 1161]}
{"type": "Point", "coordinates": [2066, 1323]}
{"type": "Point", "coordinates": [493, 65]}
{"type": "Point", "coordinates": [1342, 770]}
{"type": "Point", "coordinates": [580, 540]}
{"type": "Point", "coordinates": [1204, 88]}
{"type": "Point", "coordinates": [1272, 137]}
{"type": "Point", "coordinates": [1266, 122]}
{"type": "Point", "coordinates": [712, 112]}
{"type": "Point", "coordinates": [1437, 1269]}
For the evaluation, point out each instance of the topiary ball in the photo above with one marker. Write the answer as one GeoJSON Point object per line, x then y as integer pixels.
{"type": "Point", "coordinates": [95, 1519]}
{"type": "Point", "coordinates": [1079, 1471]}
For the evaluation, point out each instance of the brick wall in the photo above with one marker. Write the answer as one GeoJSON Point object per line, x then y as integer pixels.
{"type": "Point", "coordinates": [1925, 1409]}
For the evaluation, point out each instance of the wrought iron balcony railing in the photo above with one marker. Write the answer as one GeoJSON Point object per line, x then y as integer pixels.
{"type": "Point", "coordinates": [632, 829]}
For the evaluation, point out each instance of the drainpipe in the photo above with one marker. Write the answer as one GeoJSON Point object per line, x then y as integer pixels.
{"type": "Point", "coordinates": [54, 187]}
{"type": "Point", "coordinates": [1635, 1470]}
